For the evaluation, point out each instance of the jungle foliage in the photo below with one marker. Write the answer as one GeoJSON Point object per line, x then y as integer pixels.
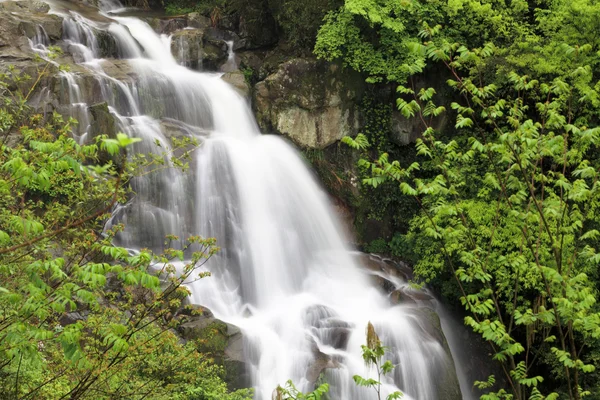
{"type": "Point", "coordinates": [508, 190]}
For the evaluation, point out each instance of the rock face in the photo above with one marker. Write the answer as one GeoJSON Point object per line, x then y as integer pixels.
{"type": "Point", "coordinates": [22, 21]}
{"type": "Point", "coordinates": [311, 102]}
{"type": "Point", "coordinates": [27, 19]}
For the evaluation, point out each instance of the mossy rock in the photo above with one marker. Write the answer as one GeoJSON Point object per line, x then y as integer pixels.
{"type": "Point", "coordinates": [311, 102]}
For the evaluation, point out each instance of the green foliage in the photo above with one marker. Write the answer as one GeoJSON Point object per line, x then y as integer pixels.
{"type": "Point", "coordinates": [518, 231]}
{"type": "Point", "coordinates": [379, 37]}
{"type": "Point", "coordinates": [377, 122]}
{"type": "Point", "coordinates": [373, 37]}
{"type": "Point", "coordinates": [300, 21]}
{"type": "Point", "coordinates": [290, 392]}
{"type": "Point", "coordinates": [508, 195]}
{"type": "Point", "coordinates": [249, 75]}
{"type": "Point", "coordinates": [378, 246]}
{"type": "Point", "coordinates": [373, 354]}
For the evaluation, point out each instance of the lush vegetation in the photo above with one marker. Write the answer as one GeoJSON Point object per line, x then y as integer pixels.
{"type": "Point", "coordinates": [496, 205]}
{"type": "Point", "coordinates": [508, 191]}
{"type": "Point", "coordinates": [79, 317]}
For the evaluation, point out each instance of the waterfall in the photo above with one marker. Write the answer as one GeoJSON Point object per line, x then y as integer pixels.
{"type": "Point", "coordinates": [284, 275]}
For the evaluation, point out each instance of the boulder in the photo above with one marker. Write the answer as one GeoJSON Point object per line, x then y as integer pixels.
{"type": "Point", "coordinates": [26, 20]}
{"type": "Point", "coordinates": [107, 44]}
{"type": "Point", "coordinates": [214, 54]}
{"type": "Point", "coordinates": [320, 363]}
{"type": "Point", "coordinates": [175, 129]}
{"type": "Point", "coordinates": [50, 24]}
{"type": "Point", "coordinates": [171, 24]}
{"type": "Point", "coordinates": [102, 121]}
{"type": "Point", "coordinates": [311, 102]}
{"type": "Point", "coordinates": [186, 47]}
{"type": "Point", "coordinates": [238, 81]}
{"type": "Point", "coordinates": [406, 294]}
{"type": "Point", "coordinates": [197, 20]}
{"type": "Point", "coordinates": [224, 341]}
{"type": "Point", "coordinates": [197, 50]}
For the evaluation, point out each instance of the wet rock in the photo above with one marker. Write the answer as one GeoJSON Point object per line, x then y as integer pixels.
{"type": "Point", "coordinates": [107, 44]}
{"type": "Point", "coordinates": [118, 69]}
{"type": "Point", "coordinates": [237, 372]}
{"type": "Point", "coordinates": [399, 297]}
{"type": "Point", "coordinates": [214, 54]}
{"type": "Point", "coordinates": [311, 102]}
{"type": "Point", "coordinates": [387, 266]}
{"type": "Point", "coordinates": [446, 382]}
{"type": "Point", "coordinates": [407, 295]}
{"type": "Point", "coordinates": [175, 129]}
{"type": "Point", "coordinates": [186, 47]}
{"type": "Point", "coordinates": [25, 66]}
{"type": "Point", "coordinates": [319, 364]}
{"type": "Point", "coordinates": [91, 87]}
{"type": "Point", "coordinates": [328, 326]}
{"type": "Point", "coordinates": [51, 24]}
{"type": "Point", "coordinates": [399, 268]}
{"type": "Point", "coordinates": [196, 50]}
{"type": "Point", "coordinates": [251, 60]}
{"type": "Point", "coordinates": [103, 122]}
{"type": "Point", "coordinates": [238, 81]}
{"type": "Point", "coordinates": [224, 341]}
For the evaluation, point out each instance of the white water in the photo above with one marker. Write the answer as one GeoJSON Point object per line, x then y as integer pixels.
{"type": "Point", "coordinates": [284, 274]}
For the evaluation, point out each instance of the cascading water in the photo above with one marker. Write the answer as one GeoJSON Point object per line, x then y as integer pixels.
{"type": "Point", "coordinates": [284, 274]}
